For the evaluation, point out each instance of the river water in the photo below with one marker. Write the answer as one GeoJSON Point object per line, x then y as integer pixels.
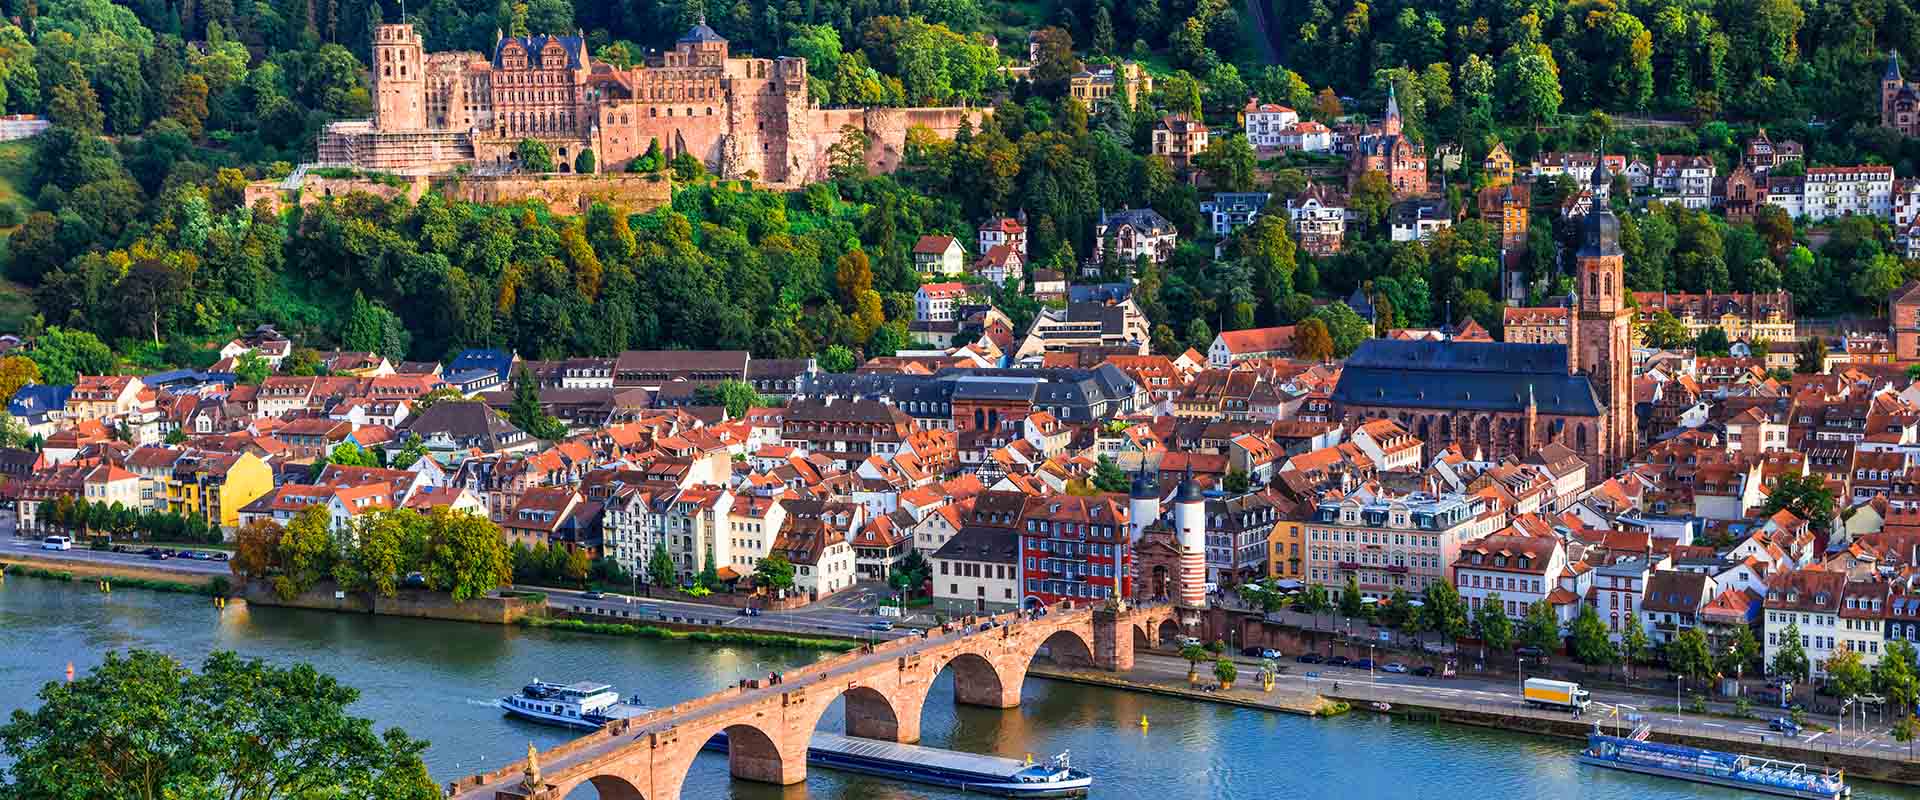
{"type": "Point", "coordinates": [438, 681]}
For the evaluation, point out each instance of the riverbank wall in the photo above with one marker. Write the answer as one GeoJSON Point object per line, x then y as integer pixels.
{"type": "Point", "coordinates": [96, 571]}
{"type": "Point", "coordinates": [492, 610]}
{"type": "Point", "coordinates": [1306, 704]}
{"type": "Point", "coordinates": [1857, 763]}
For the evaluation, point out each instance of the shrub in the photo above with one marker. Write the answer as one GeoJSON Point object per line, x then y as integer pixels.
{"type": "Point", "coordinates": [10, 214]}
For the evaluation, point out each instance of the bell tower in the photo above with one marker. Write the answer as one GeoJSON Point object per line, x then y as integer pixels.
{"type": "Point", "coordinates": [1601, 345]}
{"type": "Point", "coordinates": [399, 79]}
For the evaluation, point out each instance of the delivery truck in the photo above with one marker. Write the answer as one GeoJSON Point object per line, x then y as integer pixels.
{"type": "Point", "coordinates": [1563, 695]}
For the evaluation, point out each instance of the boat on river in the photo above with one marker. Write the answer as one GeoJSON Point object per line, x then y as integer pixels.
{"type": "Point", "coordinates": [992, 775]}
{"type": "Point", "coordinates": [1733, 770]}
{"type": "Point", "coordinates": [574, 705]}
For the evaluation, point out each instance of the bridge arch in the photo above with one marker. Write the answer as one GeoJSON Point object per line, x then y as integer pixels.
{"type": "Point", "coordinates": [889, 714]}
{"type": "Point", "coordinates": [978, 681]}
{"type": "Point", "coordinates": [753, 754]}
{"type": "Point", "coordinates": [1067, 647]}
{"type": "Point", "coordinates": [612, 787]}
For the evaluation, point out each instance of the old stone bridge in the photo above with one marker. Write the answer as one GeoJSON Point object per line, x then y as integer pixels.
{"type": "Point", "coordinates": [769, 724]}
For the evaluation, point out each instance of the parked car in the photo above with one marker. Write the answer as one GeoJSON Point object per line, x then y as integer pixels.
{"type": "Point", "coordinates": [1423, 672]}
{"type": "Point", "coordinates": [1339, 661]}
{"type": "Point", "coordinates": [1189, 641]}
{"type": "Point", "coordinates": [157, 554]}
{"type": "Point", "coordinates": [1250, 652]}
{"type": "Point", "coordinates": [882, 625]}
{"type": "Point", "coordinates": [1530, 652]}
{"type": "Point", "coordinates": [414, 580]}
{"type": "Point", "coordinates": [1310, 658]}
{"type": "Point", "coordinates": [592, 595]}
{"type": "Point", "coordinates": [57, 543]}
{"type": "Point", "coordinates": [1268, 652]}
{"type": "Point", "coordinates": [223, 556]}
{"type": "Point", "coordinates": [1364, 663]}
{"type": "Point", "coordinates": [1784, 725]}
{"type": "Point", "coordinates": [119, 548]}
{"type": "Point", "coordinates": [1395, 667]}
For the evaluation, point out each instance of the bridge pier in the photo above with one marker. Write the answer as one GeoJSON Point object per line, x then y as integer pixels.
{"type": "Point", "coordinates": [871, 716]}
{"type": "Point", "coordinates": [998, 693]}
{"type": "Point", "coordinates": [1112, 641]}
{"type": "Point", "coordinates": [760, 762]}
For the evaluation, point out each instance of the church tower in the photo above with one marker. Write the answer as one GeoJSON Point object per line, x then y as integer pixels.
{"type": "Point", "coordinates": [1391, 126]}
{"type": "Point", "coordinates": [1601, 345]}
{"type": "Point", "coordinates": [1190, 532]}
{"type": "Point", "coordinates": [399, 79]}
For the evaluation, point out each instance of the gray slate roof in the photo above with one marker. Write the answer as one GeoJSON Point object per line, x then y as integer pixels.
{"type": "Point", "coordinates": [1464, 376]}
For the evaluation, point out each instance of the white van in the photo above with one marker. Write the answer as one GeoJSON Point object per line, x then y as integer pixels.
{"type": "Point", "coordinates": [57, 543]}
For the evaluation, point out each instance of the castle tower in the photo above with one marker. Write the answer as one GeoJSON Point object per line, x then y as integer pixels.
{"type": "Point", "coordinates": [1143, 505]}
{"type": "Point", "coordinates": [1190, 531]}
{"type": "Point", "coordinates": [1601, 335]}
{"type": "Point", "coordinates": [399, 79]}
{"type": "Point", "coordinates": [1890, 85]}
{"type": "Point", "coordinates": [1392, 124]}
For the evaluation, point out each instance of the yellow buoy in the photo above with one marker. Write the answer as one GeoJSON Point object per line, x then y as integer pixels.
{"type": "Point", "coordinates": [1143, 722]}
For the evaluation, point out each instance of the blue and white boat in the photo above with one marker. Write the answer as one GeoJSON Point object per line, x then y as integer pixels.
{"type": "Point", "coordinates": [993, 775]}
{"type": "Point", "coordinates": [575, 705]}
{"type": "Point", "coordinates": [1747, 773]}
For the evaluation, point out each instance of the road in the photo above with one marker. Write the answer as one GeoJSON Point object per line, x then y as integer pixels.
{"type": "Point", "coordinates": [1505, 697]}
{"type": "Point", "coordinates": [31, 547]}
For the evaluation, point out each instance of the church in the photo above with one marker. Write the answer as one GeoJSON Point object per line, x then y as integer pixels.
{"type": "Point", "coordinates": [1500, 399]}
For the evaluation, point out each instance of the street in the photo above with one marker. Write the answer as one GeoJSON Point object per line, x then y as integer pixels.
{"type": "Point", "coordinates": [1392, 687]}
{"type": "Point", "coordinates": [31, 547]}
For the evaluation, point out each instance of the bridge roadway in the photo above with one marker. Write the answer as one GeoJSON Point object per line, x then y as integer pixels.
{"type": "Point", "coordinates": [770, 720]}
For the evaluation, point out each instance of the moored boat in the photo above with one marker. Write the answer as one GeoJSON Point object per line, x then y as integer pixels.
{"type": "Point", "coordinates": [575, 705]}
{"type": "Point", "coordinates": [993, 775]}
{"type": "Point", "coordinates": [1744, 772]}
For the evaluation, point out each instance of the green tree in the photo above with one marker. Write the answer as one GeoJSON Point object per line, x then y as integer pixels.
{"type": "Point", "coordinates": [1812, 356]}
{"type": "Point", "coordinates": [534, 155]}
{"type": "Point", "coordinates": [1491, 621]}
{"type": "Point", "coordinates": [584, 164]}
{"type": "Point", "coordinates": [250, 369]}
{"type": "Point", "coordinates": [1371, 197]}
{"type": "Point", "coordinates": [1712, 341]}
{"type": "Point", "coordinates": [1790, 661]}
{"type": "Point", "coordinates": [1689, 655]}
{"type": "Point", "coordinates": [774, 572]}
{"type": "Point", "coordinates": [1807, 496]}
{"type": "Point", "coordinates": [734, 395]}
{"type": "Point", "coordinates": [65, 354]}
{"type": "Point", "coordinates": [1346, 328]}
{"type": "Point", "coordinates": [1351, 603]}
{"type": "Point", "coordinates": [526, 413]}
{"type": "Point", "coordinates": [377, 552]}
{"type": "Point", "coordinates": [1225, 671]}
{"type": "Point", "coordinates": [1590, 643]}
{"type": "Point", "coordinates": [1108, 477]}
{"type": "Point", "coordinates": [1444, 612]}
{"type": "Point", "coordinates": [305, 553]}
{"type": "Point", "coordinates": [837, 359]}
{"type": "Point", "coordinates": [1894, 678]}
{"type": "Point", "coordinates": [660, 567]}
{"type": "Point", "coordinates": [1743, 650]}
{"type": "Point", "coordinates": [1666, 330]}
{"type": "Point", "coordinates": [411, 451]}
{"type": "Point", "coordinates": [466, 556]}
{"type": "Point", "coordinates": [578, 565]}
{"type": "Point", "coordinates": [1847, 674]}
{"type": "Point", "coordinates": [1228, 162]}
{"type": "Point", "coordinates": [1237, 482]}
{"type": "Point", "coordinates": [1540, 629]}
{"type": "Point", "coordinates": [1634, 646]}
{"type": "Point", "coordinates": [239, 728]}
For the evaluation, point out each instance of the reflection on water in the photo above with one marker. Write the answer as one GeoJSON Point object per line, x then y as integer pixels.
{"type": "Point", "coordinates": [439, 680]}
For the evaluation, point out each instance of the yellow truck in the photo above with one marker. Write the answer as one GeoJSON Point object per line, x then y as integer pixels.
{"type": "Point", "coordinates": [1563, 695]}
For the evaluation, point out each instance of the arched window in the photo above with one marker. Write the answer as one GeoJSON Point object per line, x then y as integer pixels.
{"type": "Point", "coordinates": [1580, 437]}
{"type": "Point", "coordinates": [1593, 283]}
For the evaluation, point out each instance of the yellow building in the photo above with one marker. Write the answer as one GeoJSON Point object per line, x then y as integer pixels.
{"type": "Point", "coordinates": [1761, 316]}
{"type": "Point", "coordinates": [214, 486]}
{"type": "Point", "coordinates": [1498, 166]}
{"type": "Point", "coordinates": [1092, 88]}
{"type": "Point", "coordinates": [1283, 550]}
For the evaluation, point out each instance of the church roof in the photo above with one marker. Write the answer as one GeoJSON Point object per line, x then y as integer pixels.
{"type": "Point", "coordinates": [1466, 376]}
{"type": "Point", "coordinates": [701, 33]}
{"type": "Point", "coordinates": [1893, 66]}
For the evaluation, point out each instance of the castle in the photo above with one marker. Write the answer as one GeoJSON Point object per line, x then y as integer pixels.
{"type": "Point", "coordinates": [743, 117]}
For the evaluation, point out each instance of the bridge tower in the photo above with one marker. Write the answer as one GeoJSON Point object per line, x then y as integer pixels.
{"type": "Point", "coordinates": [1190, 529]}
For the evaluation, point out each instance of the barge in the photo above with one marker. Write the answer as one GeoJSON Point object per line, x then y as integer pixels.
{"type": "Point", "coordinates": [1732, 770]}
{"type": "Point", "coordinates": [992, 775]}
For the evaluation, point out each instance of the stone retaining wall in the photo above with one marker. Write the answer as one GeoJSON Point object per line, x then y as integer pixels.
{"type": "Point", "coordinates": [406, 603]}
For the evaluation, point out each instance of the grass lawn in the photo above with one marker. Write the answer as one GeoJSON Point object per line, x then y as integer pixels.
{"type": "Point", "coordinates": [15, 158]}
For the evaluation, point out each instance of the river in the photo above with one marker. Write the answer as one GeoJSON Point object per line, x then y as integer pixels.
{"type": "Point", "coordinates": [438, 680]}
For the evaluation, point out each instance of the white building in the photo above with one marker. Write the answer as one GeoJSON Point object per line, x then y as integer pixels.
{"type": "Point", "coordinates": [1809, 601]}
{"type": "Point", "coordinates": [1520, 569]}
{"type": "Point", "coordinates": [1265, 123]}
{"type": "Point", "coordinates": [1685, 179]}
{"type": "Point", "coordinates": [1830, 192]}
{"type": "Point", "coordinates": [934, 302]}
{"type": "Point", "coordinates": [1308, 137]}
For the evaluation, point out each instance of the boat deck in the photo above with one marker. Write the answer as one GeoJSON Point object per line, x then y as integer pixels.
{"type": "Point", "coordinates": [925, 757]}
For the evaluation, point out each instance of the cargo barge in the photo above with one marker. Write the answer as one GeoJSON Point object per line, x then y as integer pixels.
{"type": "Point", "coordinates": [992, 775]}
{"type": "Point", "coordinates": [1732, 770]}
